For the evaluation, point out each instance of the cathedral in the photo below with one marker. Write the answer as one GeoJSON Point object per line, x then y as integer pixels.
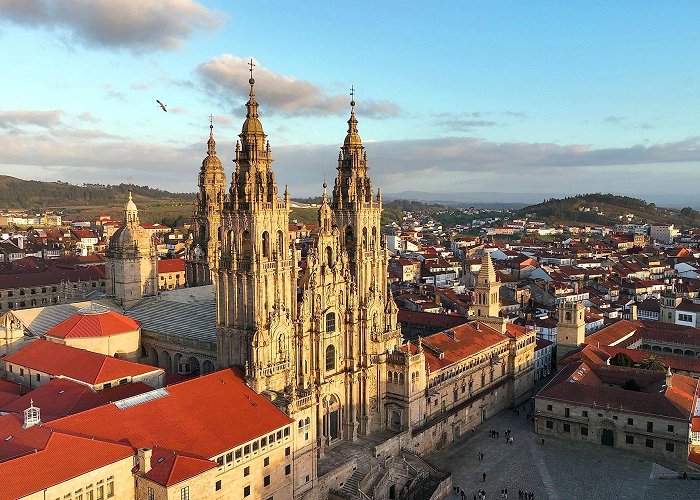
{"type": "Point", "coordinates": [314, 336]}
{"type": "Point", "coordinates": [314, 327]}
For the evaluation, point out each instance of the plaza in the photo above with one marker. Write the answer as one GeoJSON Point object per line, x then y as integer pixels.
{"type": "Point", "coordinates": [559, 469]}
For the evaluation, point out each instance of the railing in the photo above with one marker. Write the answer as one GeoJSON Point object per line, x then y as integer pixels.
{"type": "Point", "coordinates": [269, 370]}
{"type": "Point", "coordinates": [396, 358]}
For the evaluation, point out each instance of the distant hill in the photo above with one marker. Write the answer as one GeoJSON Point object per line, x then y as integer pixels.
{"type": "Point", "coordinates": [35, 195]}
{"type": "Point", "coordinates": [598, 208]}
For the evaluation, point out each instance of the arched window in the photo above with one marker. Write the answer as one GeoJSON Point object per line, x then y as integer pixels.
{"type": "Point", "coordinates": [330, 322]}
{"type": "Point", "coordinates": [364, 238]}
{"type": "Point", "coordinates": [266, 244]}
{"type": "Point", "coordinates": [374, 237]}
{"type": "Point", "coordinates": [568, 316]}
{"type": "Point", "coordinates": [329, 256]}
{"type": "Point", "coordinates": [401, 378]}
{"type": "Point", "coordinates": [349, 238]}
{"type": "Point", "coordinates": [390, 376]}
{"type": "Point", "coordinates": [330, 358]}
{"type": "Point", "coordinates": [281, 246]}
{"type": "Point", "coordinates": [246, 244]}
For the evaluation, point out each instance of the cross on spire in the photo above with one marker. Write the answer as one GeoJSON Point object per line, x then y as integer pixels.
{"type": "Point", "coordinates": [211, 120]}
{"type": "Point", "coordinates": [352, 96]}
{"type": "Point", "coordinates": [252, 65]}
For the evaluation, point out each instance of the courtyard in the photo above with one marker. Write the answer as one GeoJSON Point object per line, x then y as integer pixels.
{"type": "Point", "coordinates": [559, 469]}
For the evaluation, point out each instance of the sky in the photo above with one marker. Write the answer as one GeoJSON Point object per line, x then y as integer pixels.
{"type": "Point", "coordinates": [476, 96]}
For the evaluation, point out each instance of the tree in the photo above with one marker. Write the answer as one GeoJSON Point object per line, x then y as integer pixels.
{"type": "Point", "coordinates": [631, 385]}
{"type": "Point", "coordinates": [652, 363]}
{"type": "Point", "coordinates": [622, 359]}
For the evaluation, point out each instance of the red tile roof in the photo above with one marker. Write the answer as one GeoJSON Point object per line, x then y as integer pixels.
{"type": "Point", "coordinates": [171, 266]}
{"type": "Point", "coordinates": [60, 397]}
{"type": "Point", "coordinates": [78, 364]}
{"type": "Point", "coordinates": [451, 346]}
{"type": "Point", "coordinates": [63, 457]}
{"type": "Point", "coordinates": [52, 276]}
{"type": "Point", "coordinates": [88, 324]}
{"type": "Point", "coordinates": [430, 319]}
{"type": "Point", "coordinates": [614, 334]}
{"type": "Point", "coordinates": [169, 467]}
{"type": "Point", "coordinates": [23, 441]}
{"type": "Point", "coordinates": [190, 417]}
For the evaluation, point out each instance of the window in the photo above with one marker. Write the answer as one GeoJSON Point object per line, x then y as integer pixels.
{"type": "Point", "coordinates": [670, 447]}
{"type": "Point", "coordinates": [110, 486]}
{"type": "Point", "coordinates": [330, 322]}
{"type": "Point", "coordinates": [629, 439]}
{"type": "Point", "coordinates": [246, 491]}
{"type": "Point", "coordinates": [330, 358]}
{"type": "Point", "coordinates": [100, 492]}
{"type": "Point", "coordinates": [246, 449]}
{"type": "Point", "coordinates": [266, 480]}
{"type": "Point", "coordinates": [567, 428]}
{"type": "Point", "coordinates": [220, 460]}
{"type": "Point", "coordinates": [549, 407]}
{"type": "Point", "coordinates": [650, 426]}
{"type": "Point", "coordinates": [567, 412]}
{"type": "Point", "coordinates": [229, 456]}
{"type": "Point", "coordinates": [38, 379]}
{"type": "Point", "coordinates": [649, 443]}
{"type": "Point", "coordinates": [185, 493]}
{"type": "Point", "coordinates": [684, 317]}
{"type": "Point", "coordinates": [217, 486]}
{"type": "Point", "coordinates": [287, 469]}
{"type": "Point", "coordinates": [151, 494]}
{"type": "Point", "coordinates": [584, 413]}
{"type": "Point", "coordinates": [630, 421]}
{"type": "Point", "coordinates": [614, 417]}
{"type": "Point", "coordinates": [584, 431]}
{"type": "Point", "coordinates": [287, 451]}
{"type": "Point", "coordinates": [286, 431]}
{"type": "Point", "coordinates": [266, 461]}
{"type": "Point", "coordinates": [239, 453]}
{"type": "Point", "coordinates": [246, 471]}
{"type": "Point", "coordinates": [670, 428]}
{"type": "Point", "coordinates": [550, 424]}
{"type": "Point", "coordinates": [255, 446]}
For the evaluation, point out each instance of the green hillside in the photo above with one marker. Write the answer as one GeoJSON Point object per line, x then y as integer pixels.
{"type": "Point", "coordinates": [606, 209]}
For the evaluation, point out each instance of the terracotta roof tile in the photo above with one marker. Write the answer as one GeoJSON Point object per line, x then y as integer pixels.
{"type": "Point", "coordinates": [88, 324]}
{"type": "Point", "coordinates": [169, 467]}
{"type": "Point", "coordinates": [204, 416]}
{"type": "Point", "coordinates": [171, 266]}
{"type": "Point", "coordinates": [78, 364]}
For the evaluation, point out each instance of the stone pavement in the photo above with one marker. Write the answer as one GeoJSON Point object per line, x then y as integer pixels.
{"type": "Point", "coordinates": [561, 469]}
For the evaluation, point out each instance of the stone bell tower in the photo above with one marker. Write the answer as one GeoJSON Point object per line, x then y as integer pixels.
{"type": "Point", "coordinates": [256, 278]}
{"type": "Point", "coordinates": [204, 245]}
{"type": "Point", "coordinates": [571, 327]}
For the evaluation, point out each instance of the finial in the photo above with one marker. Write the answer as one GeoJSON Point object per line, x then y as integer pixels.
{"type": "Point", "coordinates": [252, 65]}
{"type": "Point", "coordinates": [211, 121]}
{"type": "Point", "coordinates": [352, 96]}
{"type": "Point", "coordinates": [130, 195]}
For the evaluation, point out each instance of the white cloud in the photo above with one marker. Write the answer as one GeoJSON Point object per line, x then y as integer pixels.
{"type": "Point", "coordinates": [227, 77]}
{"type": "Point", "coordinates": [137, 25]}
{"type": "Point", "coordinates": [10, 119]}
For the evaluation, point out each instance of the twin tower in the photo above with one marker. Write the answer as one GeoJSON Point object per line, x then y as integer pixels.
{"type": "Point", "coordinates": [295, 329]}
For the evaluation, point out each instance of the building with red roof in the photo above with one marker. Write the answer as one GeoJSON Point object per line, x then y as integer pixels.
{"type": "Point", "coordinates": [628, 408]}
{"type": "Point", "coordinates": [171, 274]}
{"type": "Point", "coordinates": [42, 360]}
{"type": "Point", "coordinates": [99, 329]}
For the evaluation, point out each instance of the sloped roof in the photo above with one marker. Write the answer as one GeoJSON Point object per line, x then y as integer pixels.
{"type": "Point", "coordinates": [60, 397]}
{"type": "Point", "coordinates": [77, 364]}
{"type": "Point", "coordinates": [93, 321]}
{"type": "Point", "coordinates": [203, 416]}
{"type": "Point", "coordinates": [171, 265]}
{"type": "Point", "coordinates": [169, 467]}
{"type": "Point", "coordinates": [62, 457]}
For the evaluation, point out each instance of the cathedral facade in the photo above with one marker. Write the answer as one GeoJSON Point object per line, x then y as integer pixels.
{"type": "Point", "coordinates": [316, 331]}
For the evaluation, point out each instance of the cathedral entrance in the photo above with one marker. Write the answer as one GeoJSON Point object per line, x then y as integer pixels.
{"type": "Point", "coordinates": [331, 419]}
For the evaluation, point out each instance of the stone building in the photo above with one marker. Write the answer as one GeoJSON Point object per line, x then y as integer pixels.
{"type": "Point", "coordinates": [628, 408]}
{"type": "Point", "coordinates": [132, 267]}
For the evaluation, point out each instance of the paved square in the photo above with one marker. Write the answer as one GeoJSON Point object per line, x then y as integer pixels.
{"type": "Point", "coordinates": [561, 469]}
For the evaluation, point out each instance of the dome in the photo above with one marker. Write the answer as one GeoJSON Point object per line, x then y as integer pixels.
{"type": "Point", "coordinates": [211, 162]}
{"type": "Point", "coordinates": [253, 126]}
{"type": "Point", "coordinates": [130, 238]}
{"type": "Point", "coordinates": [130, 205]}
{"type": "Point", "coordinates": [353, 137]}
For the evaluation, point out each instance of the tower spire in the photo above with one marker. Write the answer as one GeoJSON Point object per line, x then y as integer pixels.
{"type": "Point", "coordinates": [211, 144]}
{"type": "Point", "coordinates": [353, 137]}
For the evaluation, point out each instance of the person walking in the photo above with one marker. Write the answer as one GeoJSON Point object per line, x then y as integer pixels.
{"type": "Point", "coordinates": [542, 441]}
{"type": "Point", "coordinates": [483, 477]}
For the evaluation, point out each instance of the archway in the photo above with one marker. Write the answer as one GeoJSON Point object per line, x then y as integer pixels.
{"type": "Point", "coordinates": [331, 418]}
{"type": "Point", "coordinates": [152, 357]}
{"type": "Point", "coordinates": [394, 420]}
{"type": "Point", "coordinates": [607, 437]}
{"type": "Point", "coordinates": [166, 362]}
{"type": "Point", "coordinates": [194, 365]}
{"type": "Point", "coordinates": [207, 366]}
{"type": "Point", "coordinates": [176, 364]}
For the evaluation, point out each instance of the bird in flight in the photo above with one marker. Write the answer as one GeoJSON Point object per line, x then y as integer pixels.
{"type": "Point", "coordinates": [162, 106]}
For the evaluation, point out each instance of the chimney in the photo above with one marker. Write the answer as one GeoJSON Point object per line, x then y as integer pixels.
{"type": "Point", "coordinates": [633, 312]}
{"type": "Point", "coordinates": [669, 378]}
{"type": "Point", "coordinates": [144, 455]}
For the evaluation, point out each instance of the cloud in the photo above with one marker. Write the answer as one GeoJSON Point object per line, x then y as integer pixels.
{"type": "Point", "coordinates": [140, 86]}
{"type": "Point", "coordinates": [226, 76]}
{"type": "Point", "coordinates": [88, 117]}
{"type": "Point", "coordinates": [439, 165]}
{"type": "Point", "coordinates": [614, 120]}
{"type": "Point", "coordinates": [455, 122]}
{"type": "Point", "coordinates": [10, 119]}
{"type": "Point", "coordinates": [139, 26]}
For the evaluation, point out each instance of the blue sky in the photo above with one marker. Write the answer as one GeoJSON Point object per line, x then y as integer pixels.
{"type": "Point", "coordinates": [520, 97]}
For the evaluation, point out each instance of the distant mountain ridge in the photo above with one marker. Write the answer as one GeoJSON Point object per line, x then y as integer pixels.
{"type": "Point", "coordinates": [609, 209]}
{"type": "Point", "coordinates": [33, 195]}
